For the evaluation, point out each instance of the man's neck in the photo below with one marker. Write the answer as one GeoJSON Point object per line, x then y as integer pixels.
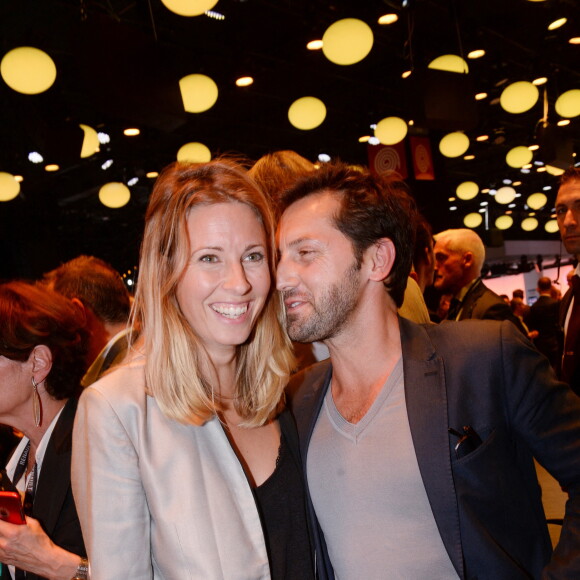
{"type": "Point", "coordinates": [365, 352]}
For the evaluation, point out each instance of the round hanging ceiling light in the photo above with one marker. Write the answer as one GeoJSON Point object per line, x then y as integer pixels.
{"type": "Point", "coordinates": [199, 93]}
{"type": "Point", "coordinates": [194, 153]}
{"type": "Point", "coordinates": [551, 226]}
{"type": "Point", "coordinates": [347, 41]}
{"type": "Point", "coordinates": [529, 224]}
{"type": "Point", "coordinates": [504, 222]}
{"type": "Point", "coordinates": [450, 63]}
{"type": "Point", "coordinates": [472, 220]}
{"type": "Point", "coordinates": [307, 113]}
{"type": "Point", "coordinates": [467, 190]}
{"type": "Point", "coordinates": [28, 70]}
{"type": "Point", "coordinates": [537, 200]}
{"type": "Point", "coordinates": [556, 171]}
{"type": "Point", "coordinates": [391, 130]}
{"type": "Point", "coordinates": [9, 187]}
{"type": "Point", "coordinates": [505, 195]}
{"type": "Point", "coordinates": [189, 7]}
{"type": "Point", "coordinates": [454, 144]}
{"type": "Point", "coordinates": [568, 104]}
{"type": "Point", "coordinates": [519, 156]}
{"type": "Point", "coordinates": [114, 194]}
{"type": "Point", "coordinates": [519, 97]}
{"type": "Point", "coordinates": [90, 141]}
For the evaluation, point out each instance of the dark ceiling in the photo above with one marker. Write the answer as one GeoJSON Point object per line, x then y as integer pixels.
{"type": "Point", "coordinates": [119, 62]}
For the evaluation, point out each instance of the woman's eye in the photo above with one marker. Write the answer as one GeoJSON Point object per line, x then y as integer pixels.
{"type": "Point", "coordinates": [254, 257]}
{"type": "Point", "coordinates": [208, 258]}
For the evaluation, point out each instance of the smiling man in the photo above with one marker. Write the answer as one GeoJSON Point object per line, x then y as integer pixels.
{"type": "Point", "coordinates": [417, 440]}
{"type": "Point", "coordinates": [568, 216]}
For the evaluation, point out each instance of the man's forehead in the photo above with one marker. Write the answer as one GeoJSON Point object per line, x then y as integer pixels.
{"type": "Point", "coordinates": [569, 191]}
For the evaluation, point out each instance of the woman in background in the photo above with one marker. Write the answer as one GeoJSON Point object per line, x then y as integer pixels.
{"type": "Point", "coordinates": [184, 465]}
{"type": "Point", "coordinates": [42, 360]}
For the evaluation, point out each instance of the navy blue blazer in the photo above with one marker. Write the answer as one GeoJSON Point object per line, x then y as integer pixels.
{"type": "Point", "coordinates": [487, 504]}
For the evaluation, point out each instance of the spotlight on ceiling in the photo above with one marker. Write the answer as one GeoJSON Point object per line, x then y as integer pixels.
{"type": "Point", "coordinates": [307, 113]}
{"type": "Point", "coordinates": [347, 41]}
{"type": "Point", "coordinates": [189, 7]}
{"type": "Point", "coordinates": [472, 220]}
{"type": "Point", "coordinates": [114, 195]}
{"type": "Point", "coordinates": [519, 97]}
{"type": "Point", "coordinates": [194, 153]}
{"type": "Point", "coordinates": [391, 130]}
{"type": "Point", "coordinates": [454, 144]}
{"type": "Point", "coordinates": [9, 186]}
{"type": "Point", "coordinates": [198, 92]}
{"type": "Point", "coordinates": [450, 63]}
{"type": "Point", "coordinates": [244, 81]}
{"type": "Point", "coordinates": [28, 70]}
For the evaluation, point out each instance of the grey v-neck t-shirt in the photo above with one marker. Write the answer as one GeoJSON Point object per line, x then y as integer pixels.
{"type": "Point", "coordinates": [368, 494]}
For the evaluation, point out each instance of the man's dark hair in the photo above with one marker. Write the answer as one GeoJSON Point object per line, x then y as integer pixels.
{"type": "Point", "coordinates": [544, 284]}
{"type": "Point", "coordinates": [570, 174]}
{"type": "Point", "coordinates": [96, 284]}
{"type": "Point", "coordinates": [370, 209]}
{"type": "Point", "coordinates": [519, 293]}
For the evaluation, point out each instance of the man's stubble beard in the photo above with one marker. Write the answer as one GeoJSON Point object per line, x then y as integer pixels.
{"type": "Point", "coordinates": [331, 310]}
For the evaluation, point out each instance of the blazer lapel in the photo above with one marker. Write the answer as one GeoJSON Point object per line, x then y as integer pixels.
{"type": "Point", "coordinates": [426, 400]}
{"type": "Point", "coordinates": [564, 305]}
{"type": "Point", "coordinates": [54, 480]}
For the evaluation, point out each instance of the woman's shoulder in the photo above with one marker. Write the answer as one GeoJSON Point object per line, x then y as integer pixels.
{"type": "Point", "coordinates": [123, 383]}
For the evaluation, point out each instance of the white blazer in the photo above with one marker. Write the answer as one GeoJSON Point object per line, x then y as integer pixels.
{"type": "Point", "coordinates": [157, 499]}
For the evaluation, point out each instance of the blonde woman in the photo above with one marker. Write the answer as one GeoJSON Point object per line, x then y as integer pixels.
{"type": "Point", "coordinates": [183, 466]}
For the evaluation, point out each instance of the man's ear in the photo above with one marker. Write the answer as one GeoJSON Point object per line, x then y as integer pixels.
{"type": "Point", "coordinates": [381, 256]}
{"type": "Point", "coordinates": [467, 260]}
{"type": "Point", "coordinates": [41, 359]}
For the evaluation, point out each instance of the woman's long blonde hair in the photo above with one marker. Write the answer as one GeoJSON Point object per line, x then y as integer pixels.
{"type": "Point", "coordinates": [178, 369]}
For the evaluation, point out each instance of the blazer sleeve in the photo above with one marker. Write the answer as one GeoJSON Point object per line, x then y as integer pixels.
{"type": "Point", "coordinates": [110, 498]}
{"type": "Point", "coordinates": [546, 415]}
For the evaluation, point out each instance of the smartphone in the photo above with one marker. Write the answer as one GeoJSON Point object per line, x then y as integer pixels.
{"type": "Point", "coordinates": [11, 508]}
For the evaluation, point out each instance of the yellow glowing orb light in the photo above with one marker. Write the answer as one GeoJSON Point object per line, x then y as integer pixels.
{"type": "Point", "coordinates": [505, 195]}
{"type": "Point", "coordinates": [90, 141]}
{"type": "Point", "coordinates": [307, 113]}
{"type": "Point", "coordinates": [454, 144]}
{"type": "Point", "coordinates": [537, 200]}
{"type": "Point", "coordinates": [467, 190]}
{"type": "Point", "coordinates": [189, 7]}
{"type": "Point", "coordinates": [504, 222]}
{"type": "Point", "coordinates": [391, 130]}
{"type": "Point", "coordinates": [519, 156]}
{"type": "Point", "coordinates": [472, 220]}
{"type": "Point", "coordinates": [199, 93]}
{"type": "Point", "coordinates": [556, 171]}
{"type": "Point", "coordinates": [194, 153]}
{"type": "Point", "coordinates": [28, 70]}
{"type": "Point", "coordinates": [529, 224]}
{"type": "Point", "coordinates": [347, 41]}
{"type": "Point", "coordinates": [551, 226]}
{"type": "Point", "coordinates": [568, 104]}
{"type": "Point", "coordinates": [114, 194]}
{"type": "Point", "coordinates": [519, 97]}
{"type": "Point", "coordinates": [9, 186]}
{"type": "Point", "coordinates": [450, 63]}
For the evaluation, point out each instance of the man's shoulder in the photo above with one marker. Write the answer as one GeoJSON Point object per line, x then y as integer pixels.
{"type": "Point", "coordinates": [307, 383]}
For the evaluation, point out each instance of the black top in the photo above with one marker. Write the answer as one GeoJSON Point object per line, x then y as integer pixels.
{"type": "Point", "coordinates": [282, 506]}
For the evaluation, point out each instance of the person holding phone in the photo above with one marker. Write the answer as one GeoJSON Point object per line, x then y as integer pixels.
{"type": "Point", "coordinates": [42, 360]}
{"type": "Point", "coordinates": [184, 463]}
